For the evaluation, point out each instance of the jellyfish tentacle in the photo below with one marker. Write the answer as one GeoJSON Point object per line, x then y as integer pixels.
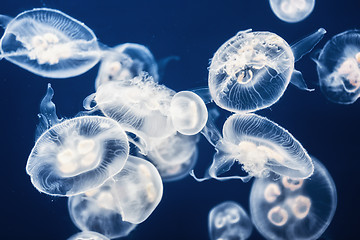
{"type": "Point", "coordinates": [307, 44]}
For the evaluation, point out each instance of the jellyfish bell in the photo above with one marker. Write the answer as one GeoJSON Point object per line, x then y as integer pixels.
{"type": "Point", "coordinates": [338, 68]}
{"type": "Point", "coordinates": [228, 220]}
{"type": "Point", "coordinates": [288, 208]}
{"type": "Point", "coordinates": [49, 43]}
{"type": "Point", "coordinates": [88, 235]}
{"type": "Point", "coordinates": [251, 70]}
{"type": "Point", "coordinates": [292, 11]}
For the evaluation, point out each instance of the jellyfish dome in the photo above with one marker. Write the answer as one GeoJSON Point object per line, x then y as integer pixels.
{"type": "Point", "coordinates": [88, 235]}
{"type": "Point", "coordinates": [292, 11]}
{"type": "Point", "coordinates": [290, 208]}
{"type": "Point", "coordinates": [49, 43]}
{"type": "Point", "coordinates": [227, 221]}
{"type": "Point", "coordinates": [338, 67]}
{"type": "Point", "coordinates": [77, 155]}
{"type": "Point", "coordinates": [126, 61]}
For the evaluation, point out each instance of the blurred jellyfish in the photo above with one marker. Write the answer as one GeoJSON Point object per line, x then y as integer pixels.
{"type": "Point", "coordinates": [292, 11]}
{"type": "Point", "coordinates": [174, 156]}
{"type": "Point", "coordinates": [188, 113]}
{"type": "Point", "coordinates": [287, 208]}
{"type": "Point", "coordinates": [228, 221]}
{"type": "Point", "coordinates": [88, 235]}
{"type": "Point", "coordinates": [338, 67]}
{"type": "Point", "coordinates": [251, 70]}
{"type": "Point", "coordinates": [49, 43]}
{"type": "Point", "coordinates": [260, 146]}
{"type": "Point", "coordinates": [125, 62]}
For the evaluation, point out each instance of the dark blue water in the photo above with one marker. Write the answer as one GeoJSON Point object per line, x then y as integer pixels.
{"type": "Point", "coordinates": [192, 30]}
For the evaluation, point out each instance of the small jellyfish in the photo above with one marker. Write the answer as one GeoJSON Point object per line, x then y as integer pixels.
{"type": "Point", "coordinates": [338, 67]}
{"type": "Point", "coordinates": [49, 43]}
{"type": "Point", "coordinates": [88, 235]}
{"type": "Point", "coordinates": [292, 11]}
{"type": "Point", "coordinates": [228, 221]}
{"type": "Point", "coordinates": [126, 61]}
{"type": "Point", "coordinates": [251, 70]}
{"type": "Point", "coordinates": [188, 113]}
{"type": "Point", "coordinates": [260, 146]}
{"type": "Point", "coordinates": [290, 208]}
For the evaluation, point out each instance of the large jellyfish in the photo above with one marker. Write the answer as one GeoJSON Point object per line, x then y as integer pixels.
{"type": "Point", "coordinates": [251, 70]}
{"type": "Point", "coordinates": [260, 146]}
{"type": "Point", "coordinates": [338, 67]}
{"type": "Point", "coordinates": [126, 61]}
{"type": "Point", "coordinates": [292, 10]}
{"type": "Point", "coordinates": [288, 208]}
{"type": "Point", "coordinates": [88, 235]}
{"type": "Point", "coordinates": [49, 43]}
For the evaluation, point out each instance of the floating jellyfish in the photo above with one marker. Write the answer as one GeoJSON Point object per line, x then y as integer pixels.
{"type": "Point", "coordinates": [260, 146]}
{"type": "Point", "coordinates": [338, 67]}
{"type": "Point", "coordinates": [127, 61]}
{"type": "Point", "coordinates": [49, 43]}
{"type": "Point", "coordinates": [289, 208]}
{"type": "Point", "coordinates": [292, 11]}
{"type": "Point", "coordinates": [188, 113]}
{"type": "Point", "coordinates": [228, 221]}
{"type": "Point", "coordinates": [88, 235]}
{"type": "Point", "coordinates": [127, 199]}
{"type": "Point", "coordinates": [251, 70]}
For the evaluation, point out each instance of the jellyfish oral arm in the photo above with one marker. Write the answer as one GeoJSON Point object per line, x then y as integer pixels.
{"type": "Point", "coordinates": [307, 44]}
{"type": "Point", "coordinates": [4, 20]}
{"type": "Point", "coordinates": [298, 81]}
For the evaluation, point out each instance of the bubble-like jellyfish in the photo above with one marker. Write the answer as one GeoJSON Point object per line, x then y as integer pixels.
{"type": "Point", "coordinates": [49, 43]}
{"type": "Point", "coordinates": [288, 208]}
{"type": "Point", "coordinates": [227, 221]}
{"type": "Point", "coordinates": [126, 61]}
{"type": "Point", "coordinates": [88, 235]}
{"type": "Point", "coordinates": [174, 156]}
{"type": "Point", "coordinates": [251, 70]}
{"type": "Point", "coordinates": [338, 67]}
{"type": "Point", "coordinates": [292, 11]}
{"type": "Point", "coordinates": [260, 146]}
{"type": "Point", "coordinates": [188, 113]}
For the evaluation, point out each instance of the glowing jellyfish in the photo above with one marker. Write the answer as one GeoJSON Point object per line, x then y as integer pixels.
{"type": "Point", "coordinates": [49, 43]}
{"type": "Point", "coordinates": [251, 70]}
{"type": "Point", "coordinates": [260, 146]}
{"type": "Point", "coordinates": [127, 61]}
{"type": "Point", "coordinates": [228, 221]}
{"type": "Point", "coordinates": [338, 67]}
{"type": "Point", "coordinates": [188, 113]}
{"type": "Point", "coordinates": [287, 208]}
{"type": "Point", "coordinates": [88, 235]}
{"type": "Point", "coordinates": [292, 10]}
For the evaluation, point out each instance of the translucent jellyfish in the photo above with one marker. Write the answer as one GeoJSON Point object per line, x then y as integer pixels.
{"type": "Point", "coordinates": [88, 235]}
{"type": "Point", "coordinates": [251, 70]}
{"type": "Point", "coordinates": [129, 197]}
{"type": "Point", "coordinates": [338, 67]}
{"type": "Point", "coordinates": [260, 146]}
{"type": "Point", "coordinates": [174, 156]}
{"type": "Point", "coordinates": [188, 113]}
{"type": "Point", "coordinates": [288, 208]}
{"type": "Point", "coordinates": [49, 43]}
{"type": "Point", "coordinates": [126, 61]}
{"type": "Point", "coordinates": [228, 221]}
{"type": "Point", "coordinates": [292, 10]}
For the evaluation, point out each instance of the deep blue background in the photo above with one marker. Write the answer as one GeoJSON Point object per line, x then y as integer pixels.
{"type": "Point", "coordinates": [192, 30]}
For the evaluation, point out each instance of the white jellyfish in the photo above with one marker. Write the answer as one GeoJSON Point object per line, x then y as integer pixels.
{"type": "Point", "coordinates": [260, 146]}
{"type": "Point", "coordinates": [251, 70]}
{"type": "Point", "coordinates": [49, 43]}
{"type": "Point", "coordinates": [227, 221]}
{"type": "Point", "coordinates": [290, 208]}
{"type": "Point", "coordinates": [338, 67]}
{"type": "Point", "coordinates": [88, 235]}
{"type": "Point", "coordinates": [292, 11]}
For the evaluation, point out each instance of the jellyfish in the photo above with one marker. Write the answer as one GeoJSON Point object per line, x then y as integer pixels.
{"type": "Point", "coordinates": [260, 146]}
{"type": "Point", "coordinates": [49, 43]}
{"type": "Point", "coordinates": [227, 221]}
{"type": "Point", "coordinates": [292, 11]}
{"type": "Point", "coordinates": [126, 61]}
{"type": "Point", "coordinates": [292, 208]}
{"type": "Point", "coordinates": [88, 235]}
{"type": "Point", "coordinates": [188, 113]}
{"type": "Point", "coordinates": [338, 67]}
{"type": "Point", "coordinates": [251, 70]}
